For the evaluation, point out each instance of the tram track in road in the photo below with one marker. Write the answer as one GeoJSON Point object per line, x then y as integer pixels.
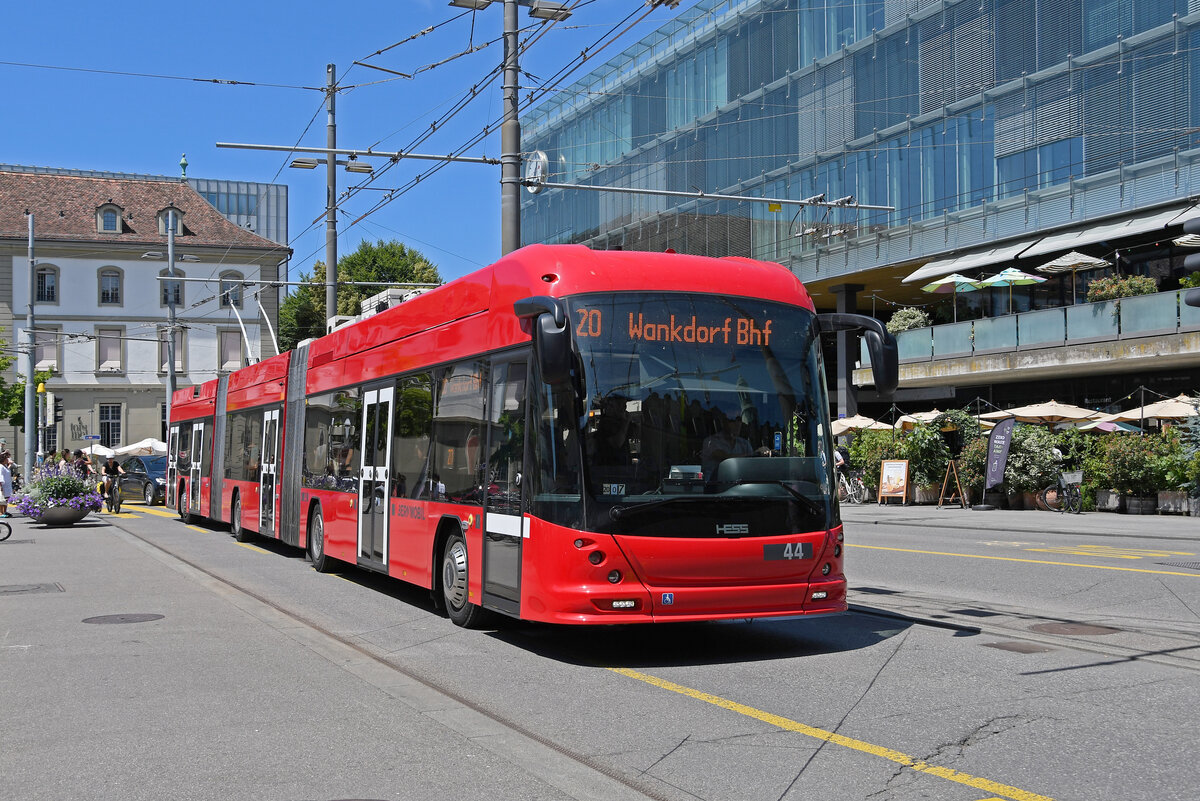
{"type": "Point", "coordinates": [577, 774]}
{"type": "Point", "coordinates": [571, 772]}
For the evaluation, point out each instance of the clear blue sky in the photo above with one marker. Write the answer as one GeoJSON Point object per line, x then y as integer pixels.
{"type": "Point", "coordinates": [107, 95]}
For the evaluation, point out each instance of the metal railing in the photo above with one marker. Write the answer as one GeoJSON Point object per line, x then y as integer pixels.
{"type": "Point", "coordinates": [1160, 314]}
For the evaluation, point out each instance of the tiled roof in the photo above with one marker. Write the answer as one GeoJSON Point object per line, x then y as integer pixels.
{"type": "Point", "coordinates": [64, 209]}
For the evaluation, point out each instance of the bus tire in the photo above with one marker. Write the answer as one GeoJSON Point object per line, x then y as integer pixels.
{"type": "Point", "coordinates": [235, 521]}
{"type": "Point", "coordinates": [456, 583]}
{"type": "Point", "coordinates": [183, 499]}
{"type": "Point", "coordinates": [321, 561]}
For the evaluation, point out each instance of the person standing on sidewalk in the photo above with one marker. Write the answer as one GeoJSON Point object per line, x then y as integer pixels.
{"type": "Point", "coordinates": [6, 485]}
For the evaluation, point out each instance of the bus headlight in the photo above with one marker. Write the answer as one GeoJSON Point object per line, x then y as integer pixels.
{"type": "Point", "coordinates": [614, 577]}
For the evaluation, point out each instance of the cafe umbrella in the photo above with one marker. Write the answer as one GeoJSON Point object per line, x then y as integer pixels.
{"type": "Point", "coordinates": [953, 284]}
{"type": "Point", "coordinates": [1073, 261]}
{"type": "Point", "coordinates": [1009, 277]}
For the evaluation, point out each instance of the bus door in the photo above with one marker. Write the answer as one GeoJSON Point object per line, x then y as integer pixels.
{"type": "Point", "coordinates": [503, 519]}
{"type": "Point", "coordinates": [270, 450]}
{"type": "Point", "coordinates": [373, 477]}
{"type": "Point", "coordinates": [172, 468]}
{"type": "Point", "coordinates": [197, 457]}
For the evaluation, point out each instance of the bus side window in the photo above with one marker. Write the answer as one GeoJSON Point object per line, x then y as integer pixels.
{"type": "Point", "coordinates": [457, 422]}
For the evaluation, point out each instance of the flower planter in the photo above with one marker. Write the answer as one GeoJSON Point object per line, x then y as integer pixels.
{"type": "Point", "coordinates": [925, 495]}
{"type": "Point", "coordinates": [1193, 505]}
{"type": "Point", "coordinates": [1137, 505]}
{"type": "Point", "coordinates": [61, 516]}
{"type": "Point", "coordinates": [1172, 502]}
{"type": "Point", "coordinates": [1109, 501]}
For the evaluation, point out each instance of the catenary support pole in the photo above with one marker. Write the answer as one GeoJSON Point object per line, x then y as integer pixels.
{"type": "Point", "coordinates": [30, 366]}
{"type": "Point", "coordinates": [330, 197]}
{"type": "Point", "coordinates": [510, 140]}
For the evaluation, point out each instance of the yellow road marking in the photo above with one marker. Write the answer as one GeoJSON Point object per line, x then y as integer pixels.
{"type": "Point", "coordinates": [987, 785]}
{"type": "Point", "coordinates": [1026, 561]}
{"type": "Point", "coordinates": [250, 547]}
{"type": "Point", "coordinates": [158, 512]}
{"type": "Point", "coordinates": [197, 528]}
{"type": "Point", "coordinates": [1110, 552]}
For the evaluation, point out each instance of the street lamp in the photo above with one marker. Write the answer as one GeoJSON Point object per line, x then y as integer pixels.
{"type": "Point", "coordinates": [510, 128]}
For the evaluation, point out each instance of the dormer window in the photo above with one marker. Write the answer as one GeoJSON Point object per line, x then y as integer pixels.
{"type": "Point", "coordinates": [163, 223]}
{"type": "Point", "coordinates": [108, 219]}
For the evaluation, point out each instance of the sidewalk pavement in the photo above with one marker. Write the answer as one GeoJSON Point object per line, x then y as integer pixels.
{"type": "Point", "coordinates": [125, 673]}
{"type": "Point", "coordinates": [1091, 524]}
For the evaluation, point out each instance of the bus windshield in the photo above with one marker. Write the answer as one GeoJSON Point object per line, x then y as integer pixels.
{"type": "Point", "coordinates": [701, 408]}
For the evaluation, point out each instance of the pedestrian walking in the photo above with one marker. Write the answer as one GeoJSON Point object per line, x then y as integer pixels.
{"type": "Point", "coordinates": [6, 484]}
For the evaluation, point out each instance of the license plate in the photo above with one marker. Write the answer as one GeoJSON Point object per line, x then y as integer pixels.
{"type": "Point", "coordinates": [787, 550]}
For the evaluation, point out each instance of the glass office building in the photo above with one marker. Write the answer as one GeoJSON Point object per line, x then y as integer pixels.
{"type": "Point", "coordinates": [981, 122]}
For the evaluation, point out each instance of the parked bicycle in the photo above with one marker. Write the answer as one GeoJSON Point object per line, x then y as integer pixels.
{"type": "Point", "coordinates": [5, 530]}
{"type": "Point", "coordinates": [1064, 495]}
{"type": "Point", "coordinates": [851, 488]}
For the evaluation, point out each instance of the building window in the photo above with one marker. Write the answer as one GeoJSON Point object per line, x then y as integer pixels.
{"type": "Point", "coordinates": [171, 291]}
{"type": "Point", "coordinates": [108, 219]}
{"type": "Point", "coordinates": [163, 224]}
{"type": "Point", "coordinates": [110, 425]}
{"type": "Point", "coordinates": [231, 290]}
{"type": "Point", "coordinates": [47, 285]}
{"type": "Point", "coordinates": [109, 350]}
{"type": "Point", "coordinates": [46, 349]}
{"type": "Point", "coordinates": [110, 287]}
{"type": "Point", "coordinates": [230, 356]}
{"type": "Point", "coordinates": [163, 359]}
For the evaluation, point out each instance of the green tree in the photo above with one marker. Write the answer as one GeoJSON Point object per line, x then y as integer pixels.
{"type": "Point", "coordinates": [302, 314]}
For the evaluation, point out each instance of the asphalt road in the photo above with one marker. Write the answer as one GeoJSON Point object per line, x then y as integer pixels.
{"type": "Point", "coordinates": [1007, 655]}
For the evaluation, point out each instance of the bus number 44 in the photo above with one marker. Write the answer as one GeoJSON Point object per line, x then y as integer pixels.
{"type": "Point", "coordinates": [787, 550]}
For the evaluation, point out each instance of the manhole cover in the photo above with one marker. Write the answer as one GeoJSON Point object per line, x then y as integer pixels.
{"type": "Point", "coordinates": [29, 589]}
{"type": "Point", "coordinates": [1179, 563]}
{"type": "Point", "coordinates": [1073, 629]}
{"type": "Point", "coordinates": [126, 618]}
{"type": "Point", "coordinates": [1019, 647]}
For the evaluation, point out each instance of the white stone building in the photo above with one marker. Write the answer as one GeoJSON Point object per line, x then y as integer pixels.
{"type": "Point", "coordinates": [101, 312]}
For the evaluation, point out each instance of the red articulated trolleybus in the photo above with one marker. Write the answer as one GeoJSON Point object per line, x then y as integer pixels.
{"type": "Point", "coordinates": [568, 436]}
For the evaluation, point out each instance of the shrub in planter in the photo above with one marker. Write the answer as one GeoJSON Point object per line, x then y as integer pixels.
{"type": "Point", "coordinates": [54, 487]}
{"type": "Point", "coordinates": [907, 319]}
{"type": "Point", "coordinates": [1114, 287]}
{"type": "Point", "coordinates": [1132, 465]}
{"type": "Point", "coordinates": [972, 467]}
{"type": "Point", "coordinates": [1031, 464]}
{"type": "Point", "coordinates": [869, 449]}
{"type": "Point", "coordinates": [927, 456]}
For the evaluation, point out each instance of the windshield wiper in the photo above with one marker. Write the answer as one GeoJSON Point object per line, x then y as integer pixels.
{"type": "Point", "coordinates": [813, 506]}
{"type": "Point", "coordinates": [618, 512]}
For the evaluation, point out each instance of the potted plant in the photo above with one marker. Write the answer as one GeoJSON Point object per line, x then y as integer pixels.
{"type": "Point", "coordinates": [928, 456]}
{"type": "Point", "coordinates": [972, 468]}
{"type": "Point", "coordinates": [907, 319]}
{"type": "Point", "coordinates": [869, 449]}
{"type": "Point", "coordinates": [58, 496]}
{"type": "Point", "coordinates": [1171, 467]}
{"type": "Point", "coordinates": [1116, 287]}
{"type": "Point", "coordinates": [1031, 465]}
{"type": "Point", "coordinates": [1131, 465]}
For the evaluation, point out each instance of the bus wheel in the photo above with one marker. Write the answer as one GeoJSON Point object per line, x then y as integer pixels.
{"type": "Point", "coordinates": [235, 521]}
{"type": "Point", "coordinates": [316, 543]}
{"type": "Point", "coordinates": [454, 583]}
{"type": "Point", "coordinates": [182, 504]}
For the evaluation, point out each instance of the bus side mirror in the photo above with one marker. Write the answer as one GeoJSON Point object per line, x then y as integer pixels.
{"type": "Point", "coordinates": [551, 337]}
{"type": "Point", "coordinates": [885, 359]}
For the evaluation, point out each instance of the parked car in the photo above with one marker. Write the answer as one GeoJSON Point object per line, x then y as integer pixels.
{"type": "Point", "coordinates": [145, 478]}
